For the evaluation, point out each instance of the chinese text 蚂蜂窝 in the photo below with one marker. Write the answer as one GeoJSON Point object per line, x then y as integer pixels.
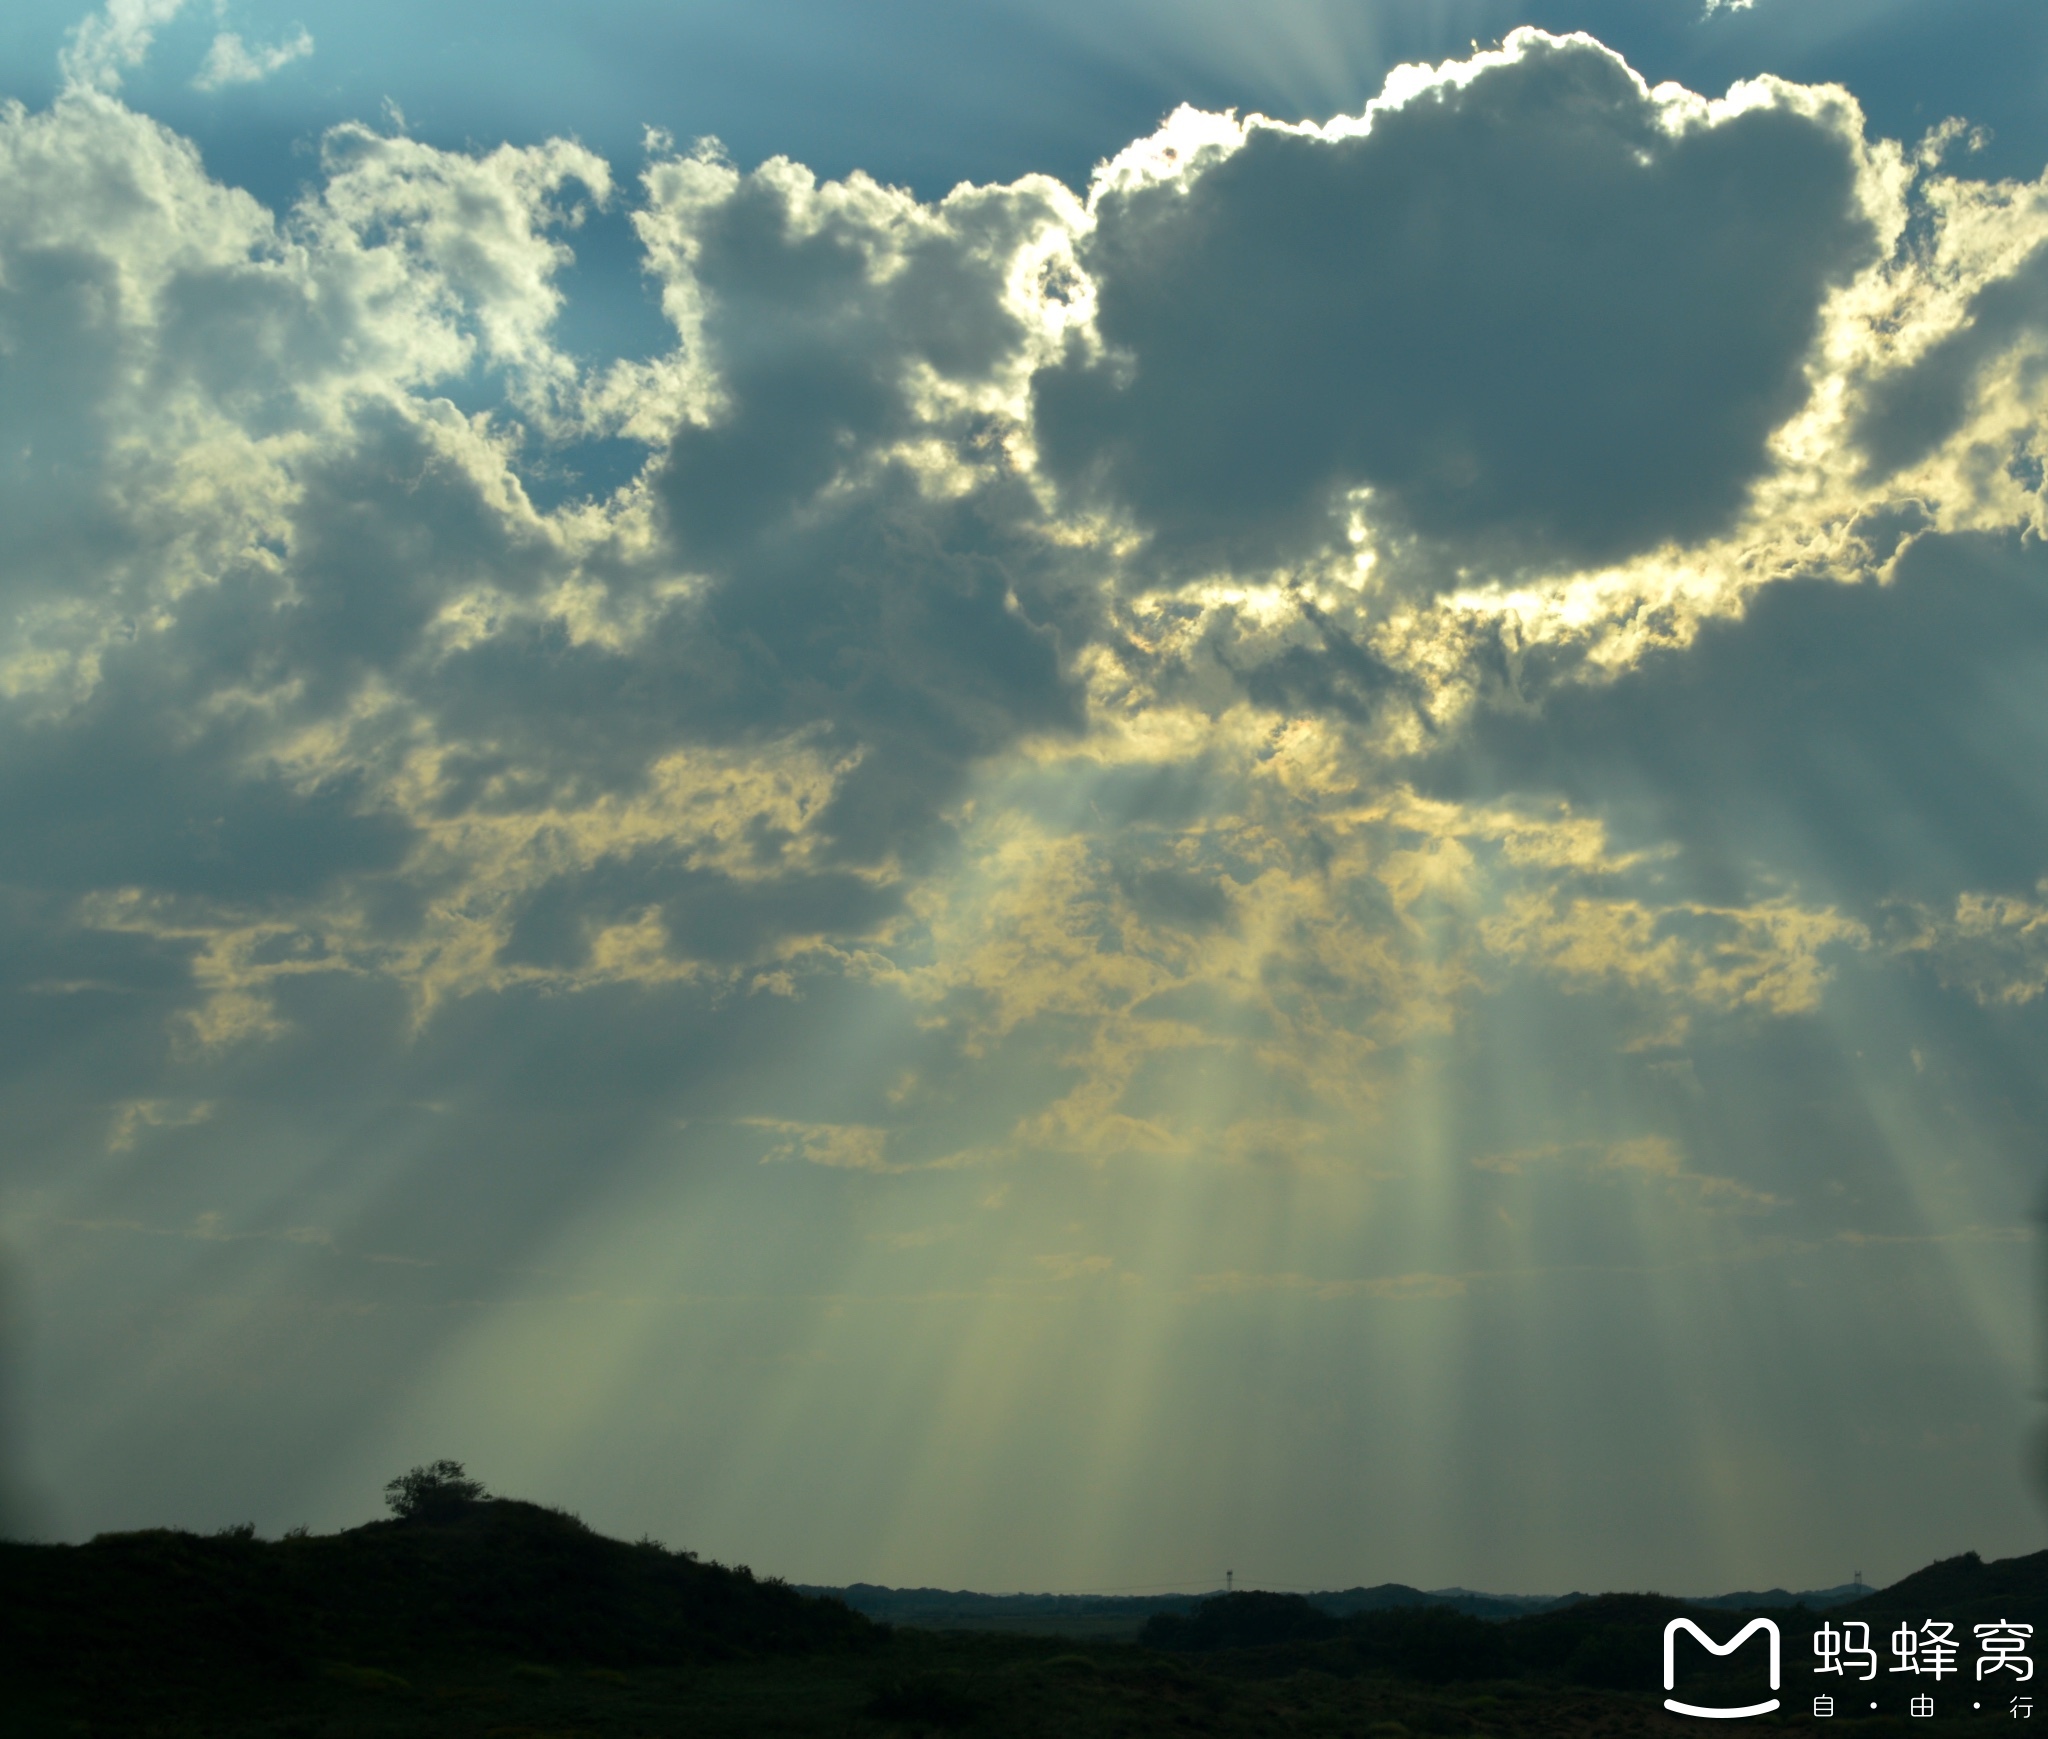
{"type": "Point", "coordinates": [1931, 1649]}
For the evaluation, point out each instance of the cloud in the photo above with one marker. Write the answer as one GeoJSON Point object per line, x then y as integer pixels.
{"type": "Point", "coordinates": [1650, 1159]}
{"type": "Point", "coordinates": [304, 686]}
{"type": "Point", "coordinates": [1872, 738]}
{"type": "Point", "coordinates": [1525, 307]}
{"type": "Point", "coordinates": [295, 618]}
{"type": "Point", "coordinates": [870, 551]}
{"type": "Point", "coordinates": [1039, 719]}
{"type": "Point", "coordinates": [105, 45]}
{"type": "Point", "coordinates": [849, 1146]}
{"type": "Point", "coordinates": [230, 61]}
{"type": "Point", "coordinates": [1993, 946]}
{"type": "Point", "coordinates": [1969, 355]}
{"type": "Point", "coordinates": [140, 1114]}
{"type": "Point", "coordinates": [1069, 1265]}
{"type": "Point", "coordinates": [102, 48]}
{"type": "Point", "coordinates": [1766, 956]}
{"type": "Point", "coordinates": [1237, 1284]}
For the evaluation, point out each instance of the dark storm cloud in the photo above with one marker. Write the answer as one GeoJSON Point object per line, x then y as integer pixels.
{"type": "Point", "coordinates": [1337, 675]}
{"type": "Point", "coordinates": [930, 637]}
{"type": "Point", "coordinates": [56, 369]}
{"type": "Point", "coordinates": [924, 632]}
{"type": "Point", "coordinates": [83, 1017]}
{"type": "Point", "coordinates": [1884, 738]}
{"type": "Point", "coordinates": [1911, 412]}
{"type": "Point", "coordinates": [385, 531]}
{"type": "Point", "coordinates": [917, 637]}
{"type": "Point", "coordinates": [145, 785]}
{"type": "Point", "coordinates": [819, 312]}
{"type": "Point", "coordinates": [1173, 897]}
{"type": "Point", "coordinates": [1541, 310]}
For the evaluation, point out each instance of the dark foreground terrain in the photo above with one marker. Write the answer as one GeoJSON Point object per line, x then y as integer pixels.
{"type": "Point", "coordinates": [504, 1619]}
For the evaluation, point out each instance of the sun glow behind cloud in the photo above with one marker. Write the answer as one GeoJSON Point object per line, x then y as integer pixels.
{"type": "Point", "coordinates": [1266, 864]}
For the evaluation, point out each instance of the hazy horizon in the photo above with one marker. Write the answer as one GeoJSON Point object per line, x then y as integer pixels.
{"type": "Point", "coordinates": [1033, 798]}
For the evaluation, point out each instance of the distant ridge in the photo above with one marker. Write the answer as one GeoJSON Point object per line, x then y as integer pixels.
{"type": "Point", "coordinates": [1387, 1595]}
{"type": "Point", "coordinates": [1813, 1599]}
{"type": "Point", "coordinates": [1108, 1615]}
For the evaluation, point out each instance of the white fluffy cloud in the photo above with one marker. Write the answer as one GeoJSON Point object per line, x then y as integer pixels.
{"type": "Point", "coordinates": [231, 61]}
{"type": "Point", "coordinates": [109, 43]}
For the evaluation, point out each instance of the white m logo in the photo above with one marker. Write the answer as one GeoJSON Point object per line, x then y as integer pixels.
{"type": "Point", "coordinates": [1743, 1635]}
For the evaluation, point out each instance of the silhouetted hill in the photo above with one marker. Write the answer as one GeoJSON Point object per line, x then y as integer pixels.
{"type": "Point", "coordinates": [496, 1578]}
{"type": "Point", "coordinates": [1614, 1641]}
{"type": "Point", "coordinates": [1089, 1617]}
{"type": "Point", "coordinates": [1611, 1642]}
{"type": "Point", "coordinates": [1344, 1602]}
{"type": "Point", "coordinates": [957, 1608]}
{"type": "Point", "coordinates": [1770, 1599]}
{"type": "Point", "coordinates": [496, 1618]}
{"type": "Point", "coordinates": [1604, 1641]}
{"type": "Point", "coordinates": [1123, 1616]}
{"type": "Point", "coordinates": [1250, 1620]}
{"type": "Point", "coordinates": [1434, 1644]}
{"type": "Point", "coordinates": [1964, 1588]}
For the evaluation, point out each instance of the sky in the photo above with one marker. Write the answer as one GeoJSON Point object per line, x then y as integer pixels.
{"type": "Point", "coordinates": [1038, 797]}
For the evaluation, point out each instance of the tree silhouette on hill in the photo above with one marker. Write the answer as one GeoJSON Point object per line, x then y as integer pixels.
{"type": "Point", "coordinates": [434, 1492]}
